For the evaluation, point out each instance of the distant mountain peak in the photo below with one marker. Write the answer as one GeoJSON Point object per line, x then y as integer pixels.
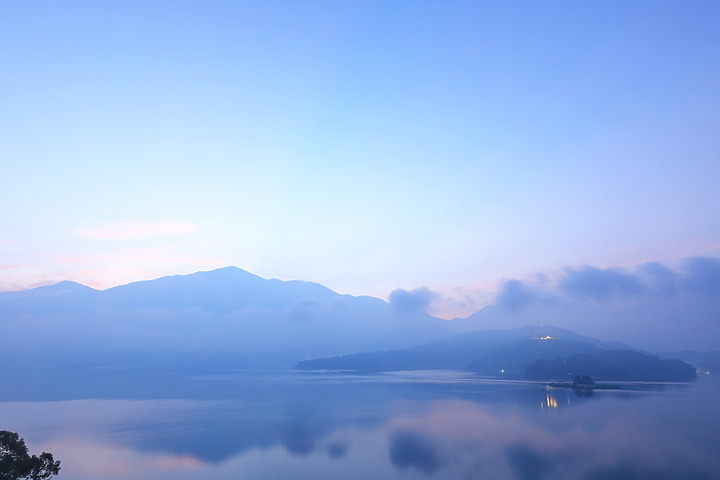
{"type": "Point", "coordinates": [48, 291]}
{"type": "Point", "coordinates": [228, 268]}
{"type": "Point", "coordinates": [66, 285]}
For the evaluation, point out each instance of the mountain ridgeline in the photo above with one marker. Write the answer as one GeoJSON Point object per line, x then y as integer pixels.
{"type": "Point", "coordinates": [231, 318]}
{"type": "Point", "coordinates": [538, 353]}
{"type": "Point", "coordinates": [612, 365]}
{"type": "Point", "coordinates": [226, 317]}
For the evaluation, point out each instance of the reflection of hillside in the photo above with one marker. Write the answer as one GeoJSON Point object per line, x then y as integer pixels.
{"type": "Point", "coordinates": [581, 444]}
{"type": "Point", "coordinates": [222, 416]}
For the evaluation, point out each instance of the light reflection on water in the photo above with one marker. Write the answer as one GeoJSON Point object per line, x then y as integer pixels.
{"type": "Point", "coordinates": [164, 425]}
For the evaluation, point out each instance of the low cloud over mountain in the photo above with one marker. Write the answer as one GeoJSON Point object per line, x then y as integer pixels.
{"type": "Point", "coordinates": [229, 315]}
{"type": "Point", "coordinates": [652, 306]}
{"type": "Point", "coordinates": [226, 315]}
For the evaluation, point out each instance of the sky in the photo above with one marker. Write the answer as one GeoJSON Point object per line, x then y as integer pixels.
{"type": "Point", "coordinates": [365, 145]}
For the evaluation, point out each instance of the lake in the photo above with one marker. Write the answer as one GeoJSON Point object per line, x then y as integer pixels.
{"type": "Point", "coordinates": [159, 424]}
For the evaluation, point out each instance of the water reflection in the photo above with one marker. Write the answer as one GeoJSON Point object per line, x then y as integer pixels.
{"type": "Point", "coordinates": [298, 425]}
{"type": "Point", "coordinates": [413, 449]}
{"type": "Point", "coordinates": [528, 463]}
{"type": "Point", "coordinates": [550, 401]}
{"type": "Point", "coordinates": [337, 450]}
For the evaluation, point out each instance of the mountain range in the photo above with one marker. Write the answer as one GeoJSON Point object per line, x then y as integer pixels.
{"type": "Point", "coordinates": [534, 352]}
{"type": "Point", "coordinates": [224, 315]}
{"type": "Point", "coordinates": [455, 352]}
{"type": "Point", "coordinates": [232, 317]}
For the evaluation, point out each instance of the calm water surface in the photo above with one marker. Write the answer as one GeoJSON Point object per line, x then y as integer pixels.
{"type": "Point", "coordinates": [125, 424]}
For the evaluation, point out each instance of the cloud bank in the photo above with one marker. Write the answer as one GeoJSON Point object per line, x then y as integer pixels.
{"type": "Point", "coordinates": [695, 277]}
{"type": "Point", "coordinates": [652, 306]}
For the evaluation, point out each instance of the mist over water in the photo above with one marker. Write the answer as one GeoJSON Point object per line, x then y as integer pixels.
{"type": "Point", "coordinates": [121, 423]}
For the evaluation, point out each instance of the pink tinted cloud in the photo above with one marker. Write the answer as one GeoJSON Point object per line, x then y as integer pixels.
{"type": "Point", "coordinates": [137, 229]}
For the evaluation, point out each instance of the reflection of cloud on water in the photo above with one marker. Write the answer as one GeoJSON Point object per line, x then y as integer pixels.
{"type": "Point", "coordinates": [471, 440]}
{"type": "Point", "coordinates": [88, 458]}
{"type": "Point", "coordinates": [450, 439]}
{"type": "Point", "coordinates": [626, 470]}
{"type": "Point", "coordinates": [298, 439]}
{"type": "Point", "coordinates": [411, 449]}
{"type": "Point", "coordinates": [93, 459]}
{"type": "Point", "coordinates": [337, 450]}
{"type": "Point", "coordinates": [394, 430]}
{"type": "Point", "coordinates": [528, 463]}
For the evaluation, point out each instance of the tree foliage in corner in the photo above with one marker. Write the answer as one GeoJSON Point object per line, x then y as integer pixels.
{"type": "Point", "coordinates": [17, 464]}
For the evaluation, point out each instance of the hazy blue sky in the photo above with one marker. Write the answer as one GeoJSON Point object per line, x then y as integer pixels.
{"type": "Point", "coordinates": [365, 145]}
